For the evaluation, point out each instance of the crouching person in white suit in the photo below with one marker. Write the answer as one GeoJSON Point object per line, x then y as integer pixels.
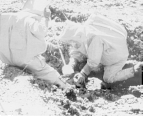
{"type": "Point", "coordinates": [101, 41]}
{"type": "Point", "coordinates": [22, 40]}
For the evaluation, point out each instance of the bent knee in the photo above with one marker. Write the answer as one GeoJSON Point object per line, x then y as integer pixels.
{"type": "Point", "coordinates": [108, 79]}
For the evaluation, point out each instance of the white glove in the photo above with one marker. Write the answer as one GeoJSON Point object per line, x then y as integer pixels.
{"type": "Point", "coordinates": [67, 70]}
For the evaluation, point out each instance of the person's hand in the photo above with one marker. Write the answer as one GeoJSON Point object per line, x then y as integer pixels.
{"type": "Point", "coordinates": [79, 79]}
{"type": "Point", "coordinates": [63, 85]}
{"type": "Point", "coordinates": [67, 70]}
{"type": "Point", "coordinates": [68, 87]}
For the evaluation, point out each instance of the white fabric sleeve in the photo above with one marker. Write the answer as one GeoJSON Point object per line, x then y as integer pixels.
{"type": "Point", "coordinates": [38, 27]}
{"type": "Point", "coordinates": [86, 70]}
{"type": "Point", "coordinates": [94, 52]}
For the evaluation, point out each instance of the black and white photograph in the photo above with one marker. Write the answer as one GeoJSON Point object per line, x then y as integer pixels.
{"type": "Point", "coordinates": [71, 57]}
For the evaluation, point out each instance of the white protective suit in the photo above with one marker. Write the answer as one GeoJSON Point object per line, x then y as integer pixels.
{"type": "Point", "coordinates": [101, 41]}
{"type": "Point", "coordinates": [22, 40]}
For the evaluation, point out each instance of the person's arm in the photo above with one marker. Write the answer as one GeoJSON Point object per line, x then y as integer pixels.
{"type": "Point", "coordinates": [38, 26]}
{"type": "Point", "coordinates": [94, 53]}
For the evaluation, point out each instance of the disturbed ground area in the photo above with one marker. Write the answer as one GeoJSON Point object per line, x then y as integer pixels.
{"type": "Point", "coordinates": [22, 94]}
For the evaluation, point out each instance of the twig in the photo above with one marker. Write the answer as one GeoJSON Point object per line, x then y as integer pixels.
{"type": "Point", "coordinates": [65, 16]}
{"type": "Point", "coordinates": [62, 56]}
{"type": "Point", "coordinates": [3, 109]}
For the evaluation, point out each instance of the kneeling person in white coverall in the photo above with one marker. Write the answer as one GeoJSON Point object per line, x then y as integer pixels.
{"type": "Point", "coordinates": [22, 40]}
{"type": "Point", "coordinates": [101, 41]}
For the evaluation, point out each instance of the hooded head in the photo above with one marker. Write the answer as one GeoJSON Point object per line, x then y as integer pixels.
{"type": "Point", "coordinates": [72, 32]}
{"type": "Point", "coordinates": [78, 32]}
{"type": "Point", "coordinates": [36, 6]}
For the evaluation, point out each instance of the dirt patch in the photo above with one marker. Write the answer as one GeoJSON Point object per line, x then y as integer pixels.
{"type": "Point", "coordinates": [22, 94]}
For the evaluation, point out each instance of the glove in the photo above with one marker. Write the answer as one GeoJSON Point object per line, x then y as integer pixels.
{"type": "Point", "coordinates": [62, 84]}
{"type": "Point", "coordinates": [67, 70]}
{"type": "Point", "coordinates": [79, 79]}
{"type": "Point", "coordinates": [68, 88]}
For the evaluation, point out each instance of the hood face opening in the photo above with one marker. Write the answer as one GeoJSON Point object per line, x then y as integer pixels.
{"type": "Point", "coordinates": [36, 6]}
